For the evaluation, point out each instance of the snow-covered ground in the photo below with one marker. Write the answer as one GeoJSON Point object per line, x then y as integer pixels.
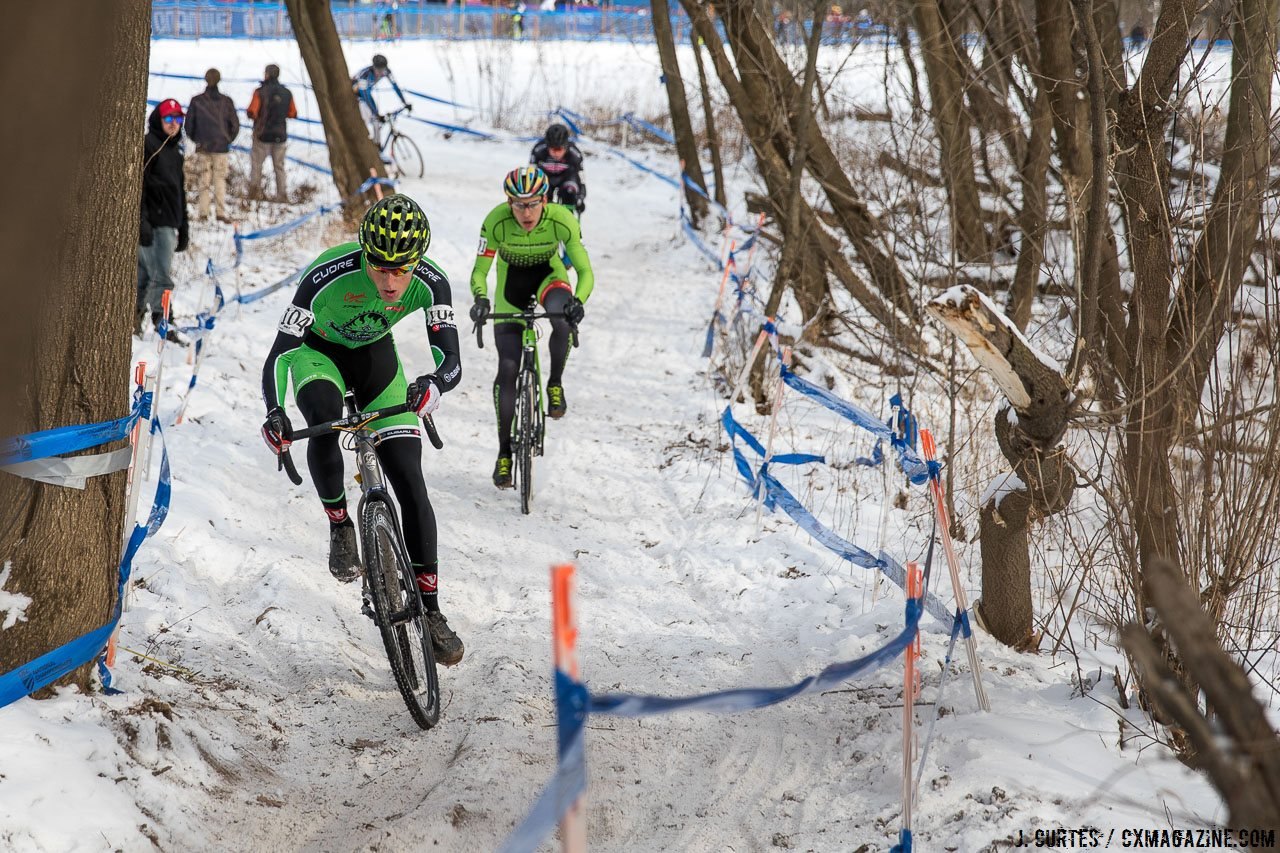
{"type": "Point", "coordinates": [264, 717]}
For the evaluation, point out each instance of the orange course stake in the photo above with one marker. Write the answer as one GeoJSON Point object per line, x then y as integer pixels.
{"type": "Point", "coordinates": [910, 690]}
{"type": "Point", "coordinates": [953, 565]}
{"type": "Point", "coordinates": [564, 652]}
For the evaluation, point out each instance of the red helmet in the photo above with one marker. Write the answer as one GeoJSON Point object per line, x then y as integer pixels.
{"type": "Point", "coordinates": [170, 107]}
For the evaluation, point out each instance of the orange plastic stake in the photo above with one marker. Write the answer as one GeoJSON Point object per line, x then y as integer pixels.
{"type": "Point", "coordinates": [564, 644]}
{"type": "Point", "coordinates": [930, 449]}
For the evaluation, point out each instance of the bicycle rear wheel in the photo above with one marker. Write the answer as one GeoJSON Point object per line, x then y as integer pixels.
{"type": "Point", "coordinates": [526, 437]}
{"type": "Point", "coordinates": [399, 613]}
{"type": "Point", "coordinates": [406, 156]}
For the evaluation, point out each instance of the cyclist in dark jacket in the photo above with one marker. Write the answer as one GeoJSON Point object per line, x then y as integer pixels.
{"type": "Point", "coordinates": [561, 161]}
{"type": "Point", "coordinates": [164, 206]}
{"type": "Point", "coordinates": [212, 124]}
{"type": "Point", "coordinates": [362, 84]}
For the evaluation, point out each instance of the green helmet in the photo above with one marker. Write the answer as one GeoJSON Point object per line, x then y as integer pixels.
{"type": "Point", "coordinates": [395, 232]}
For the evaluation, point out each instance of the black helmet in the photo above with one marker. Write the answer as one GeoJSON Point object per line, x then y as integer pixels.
{"type": "Point", "coordinates": [379, 61]}
{"type": "Point", "coordinates": [395, 232]}
{"type": "Point", "coordinates": [557, 136]}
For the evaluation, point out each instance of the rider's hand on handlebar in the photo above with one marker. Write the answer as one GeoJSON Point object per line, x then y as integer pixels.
{"type": "Point", "coordinates": [423, 396]}
{"type": "Point", "coordinates": [480, 310]}
{"type": "Point", "coordinates": [574, 312]}
{"type": "Point", "coordinates": [276, 430]}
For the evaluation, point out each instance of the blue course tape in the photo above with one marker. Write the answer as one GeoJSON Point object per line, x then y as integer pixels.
{"type": "Point", "coordinates": [702, 247]}
{"type": "Point", "coordinates": [62, 440]}
{"type": "Point", "coordinates": [641, 124]}
{"type": "Point", "coordinates": [749, 698]}
{"type": "Point", "coordinates": [570, 780]}
{"type": "Point", "coordinates": [912, 465]}
{"type": "Point", "coordinates": [248, 298]}
{"type": "Point", "coordinates": [445, 101]}
{"type": "Point", "coordinates": [52, 665]}
{"type": "Point", "coordinates": [455, 128]}
{"type": "Point", "coordinates": [291, 159]}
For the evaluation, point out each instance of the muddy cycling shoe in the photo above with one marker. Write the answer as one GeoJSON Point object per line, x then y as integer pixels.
{"type": "Point", "coordinates": [502, 473]}
{"type": "Point", "coordinates": [556, 405]}
{"type": "Point", "coordinates": [344, 556]}
{"type": "Point", "coordinates": [444, 641]}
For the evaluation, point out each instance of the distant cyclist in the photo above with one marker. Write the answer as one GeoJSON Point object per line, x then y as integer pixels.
{"type": "Point", "coordinates": [525, 234]}
{"type": "Point", "coordinates": [335, 336]}
{"type": "Point", "coordinates": [362, 84]}
{"type": "Point", "coordinates": [561, 161]}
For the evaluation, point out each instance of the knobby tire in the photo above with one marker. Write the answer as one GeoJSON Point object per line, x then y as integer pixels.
{"type": "Point", "coordinates": [408, 644]}
{"type": "Point", "coordinates": [526, 427]}
{"type": "Point", "coordinates": [406, 156]}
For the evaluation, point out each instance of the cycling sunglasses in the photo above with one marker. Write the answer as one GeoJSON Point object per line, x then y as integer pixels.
{"type": "Point", "coordinates": [527, 205]}
{"type": "Point", "coordinates": [396, 270]}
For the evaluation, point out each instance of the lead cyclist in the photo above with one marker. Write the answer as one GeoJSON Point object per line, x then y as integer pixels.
{"type": "Point", "coordinates": [335, 336]}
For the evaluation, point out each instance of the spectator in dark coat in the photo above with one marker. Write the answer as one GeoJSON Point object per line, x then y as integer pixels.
{"type": "Point", "coordinates": [212, 124]}
{"type": "Point", "coordinates": [271, 106]}
{"type": "Point", "coordinates": [164, 207]}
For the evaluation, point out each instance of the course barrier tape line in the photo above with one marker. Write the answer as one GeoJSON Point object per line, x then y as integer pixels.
{"type": "Point", "coordinates": [455, 128]}
{"type": "Point", "coordinates": [916, 469]}
{"type": "Point", "coordinates": [49, 667]}
{"type": "Point", "coordinates": [302, 83]}
{"type": "Point", "coordinates": [67, 439]}
{"type": "Point", "coordinates": [569, 780]}
{"type": "Point", "coordinates": [777, 495]}
{"type": "Point", "coordinates": [692, 234]}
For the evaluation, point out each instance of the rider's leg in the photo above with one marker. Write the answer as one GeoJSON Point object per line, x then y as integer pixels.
{"type": "Point", "coordinates": [506, 339]}
{"type": "Point", "coordinates": [319, 386]}
{"type": "Point", "coordinates": [555, 297]}
{"type": "Point", "coordinates": [401, 459]}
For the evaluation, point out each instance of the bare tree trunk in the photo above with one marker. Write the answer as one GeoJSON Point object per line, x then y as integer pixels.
{"type": "Point", "coordinates": [686, 144]}
{"type": "Point", "coordinates": [709, 118]}
{"type": "Point", "coordinates": [803, 112]}
{"type": "Point", "coordinates": [77, 195]}
{"type": "Point", "coordinates": [352, 154]}
{"type": "Point", "coordinates": [1202, 308]}
{"type": "Point", "coordinates": [951, 123]}
{"type": "Point", "coordinates": [1043, 483]}
{"type": "Point", "coordinates": [902, 35]}
{"type": "Point", "coordinates": [1237, 747]}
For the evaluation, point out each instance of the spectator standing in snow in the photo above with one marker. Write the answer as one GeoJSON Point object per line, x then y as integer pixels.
{"type": "Point", "coordinates": [163, 226]}
{"type": "Point", "coordinates": [212, 124]}
{"type": "Point", "coordinates": [271, 107]}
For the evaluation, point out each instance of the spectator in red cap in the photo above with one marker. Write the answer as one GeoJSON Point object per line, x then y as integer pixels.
{"type": "Point", "coordinates": [164, 208]}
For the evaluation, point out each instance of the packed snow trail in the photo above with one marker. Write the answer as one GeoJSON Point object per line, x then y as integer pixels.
{"type": "Point", "coordinates": [267, 718]}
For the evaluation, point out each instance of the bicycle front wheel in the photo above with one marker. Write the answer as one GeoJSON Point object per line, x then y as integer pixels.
{"type": "Point", "coordinates": [398, 610]}
{"type": "Point", "coordinates": [406, 156]}
{"type": "Point", "coordinates": [526, 433]}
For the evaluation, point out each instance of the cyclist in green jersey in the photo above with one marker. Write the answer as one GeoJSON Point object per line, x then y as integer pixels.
{"type": "Point", "coordinates": [525, 234]}
{"type": "Point", "coordinates": [336, 335]}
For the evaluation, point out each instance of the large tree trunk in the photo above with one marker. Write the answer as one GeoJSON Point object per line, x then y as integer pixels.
{"type": "Point", "coordinates": [951, 123]}
{"type": "Point", "coordinates": [76, 195]}
{"type": "Point", "coordinates": [686, 144]}
{"type": "Point", "coordinates": [709, 118]}
{"type": "Point", "coordinates": [352, 153]}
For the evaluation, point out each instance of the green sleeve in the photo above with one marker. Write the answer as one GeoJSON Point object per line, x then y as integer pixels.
{"type": "Point", "coordinates": [578, 257]}
{"type": "Point", "coordinates": [485, 253]}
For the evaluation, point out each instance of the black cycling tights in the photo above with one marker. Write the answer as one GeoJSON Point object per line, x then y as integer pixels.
{"type": "Point", "coordinates": [401, 459]}
{"type": "Point", "coordinates": [506, 339]}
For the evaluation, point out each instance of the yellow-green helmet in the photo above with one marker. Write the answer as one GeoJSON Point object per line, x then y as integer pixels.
{"type": "Point", "coordinates": [395, 232]}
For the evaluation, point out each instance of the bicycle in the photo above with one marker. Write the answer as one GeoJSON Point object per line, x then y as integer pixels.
{"type": "Point", "coordinates": [529, 428]}
{"type": "Point", "coordinates": [390, 586]}
{"type": "Point", "coordinates": [405, 158]}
